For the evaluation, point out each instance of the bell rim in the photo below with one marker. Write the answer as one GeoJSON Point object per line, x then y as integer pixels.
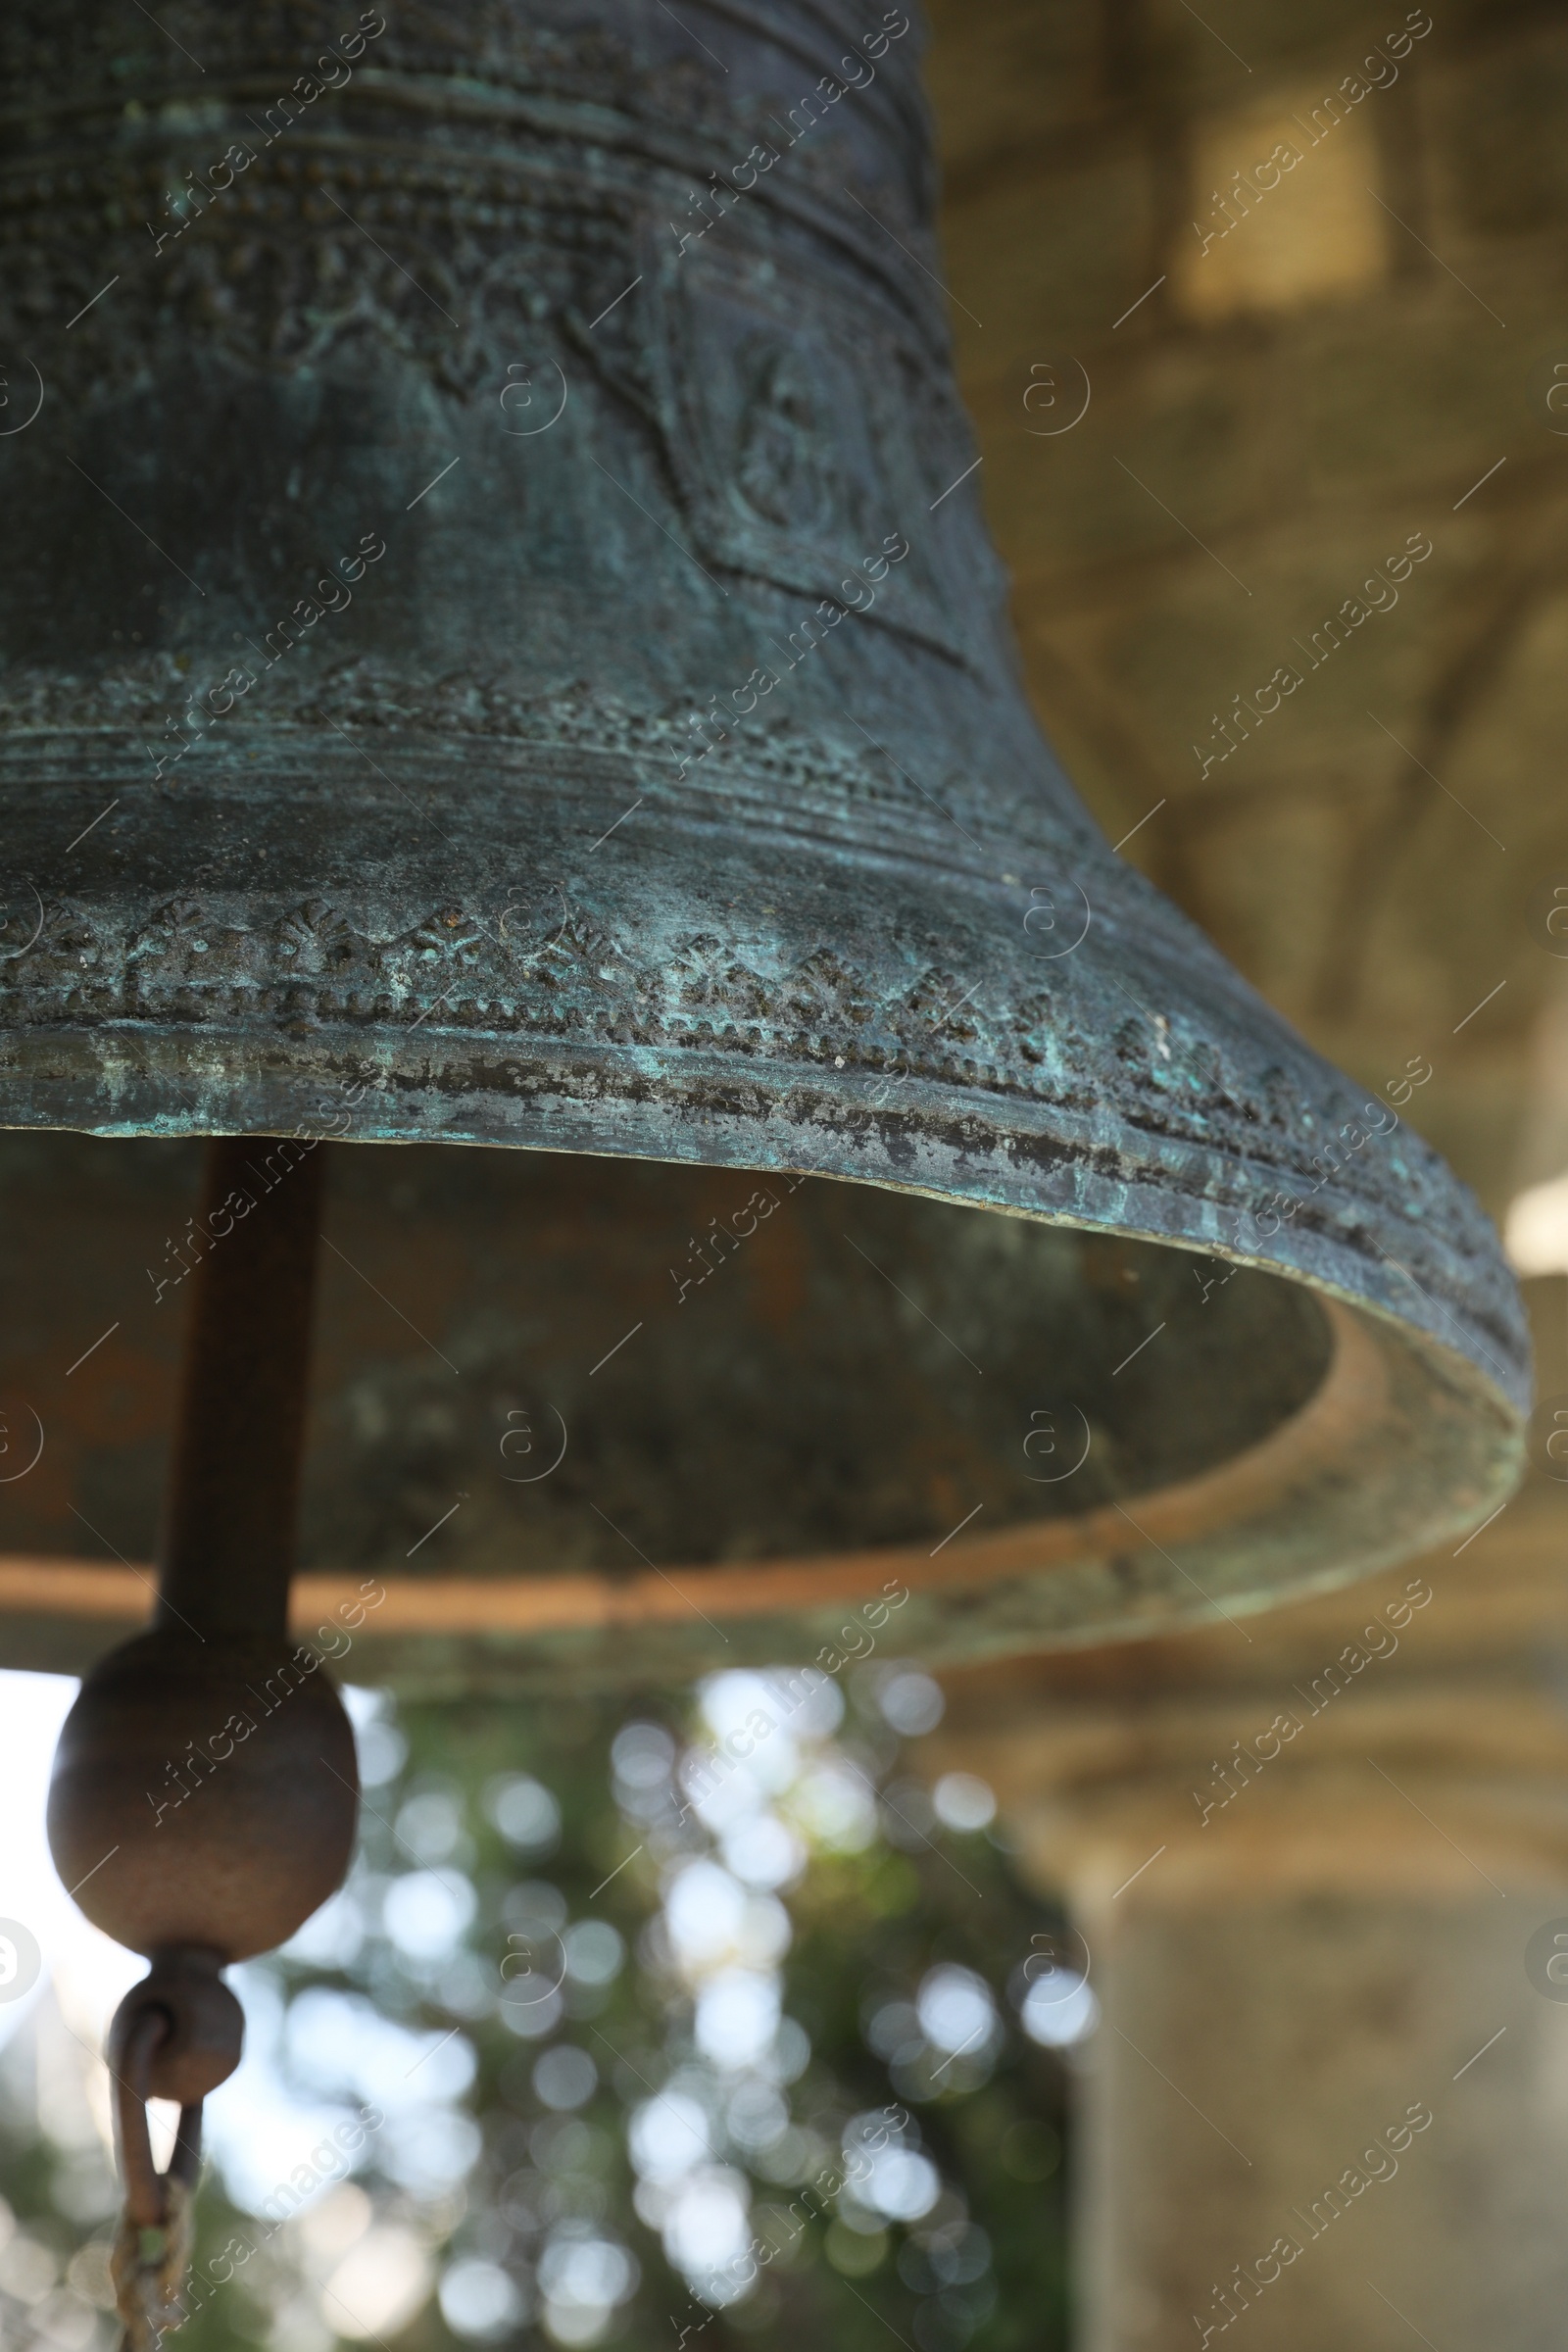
{"type": "Point", "coordinates": [1396, 1413]}
{"type": "Point", "coordinates": [703, 1105]}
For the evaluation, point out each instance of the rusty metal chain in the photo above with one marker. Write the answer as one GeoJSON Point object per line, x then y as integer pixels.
{"type": "Point", "coordinates": [151, 2248]}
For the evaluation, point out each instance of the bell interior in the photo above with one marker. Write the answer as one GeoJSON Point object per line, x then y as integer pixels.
{"type": "Point", "coordinates": [529, 1363]}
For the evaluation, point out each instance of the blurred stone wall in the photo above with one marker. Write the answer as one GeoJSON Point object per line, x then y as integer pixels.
{"type": "Point", "coordinates": [1249, 300]}
{"type": "Point", "coordinates": [1306, 265]}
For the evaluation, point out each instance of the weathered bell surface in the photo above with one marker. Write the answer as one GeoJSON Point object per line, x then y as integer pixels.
{"type": "Point", "coordinates": [501, 648]}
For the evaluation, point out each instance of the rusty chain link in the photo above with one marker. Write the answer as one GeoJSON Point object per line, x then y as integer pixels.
{"type": "Point", "coordinates": [152, 2247]}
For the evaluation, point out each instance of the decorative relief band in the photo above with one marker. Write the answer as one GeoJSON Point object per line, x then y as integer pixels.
{"type": "Point", "coordinates": [542, 969]}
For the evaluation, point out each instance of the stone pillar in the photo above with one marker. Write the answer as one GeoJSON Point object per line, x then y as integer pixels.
{"type": "Point", "coordinates": [1281, 2148]}
{"type": "Point", "coordinates": [1327, 2103]}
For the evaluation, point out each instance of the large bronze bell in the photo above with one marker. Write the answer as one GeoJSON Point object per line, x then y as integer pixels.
{"type": "Point", "coordinates": [501, 648]}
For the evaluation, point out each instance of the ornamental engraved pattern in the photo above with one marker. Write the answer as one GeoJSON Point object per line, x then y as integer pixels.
{"type": "Point", "coordinates": [568, 981]}
{"type": "Point", "coordinates": [539, 962]}
{"type": "Point", "coordinates": [390, 210]}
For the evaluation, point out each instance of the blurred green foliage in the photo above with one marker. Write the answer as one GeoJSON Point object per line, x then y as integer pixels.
{"type": "Point", "coordinates": [512, 2217]}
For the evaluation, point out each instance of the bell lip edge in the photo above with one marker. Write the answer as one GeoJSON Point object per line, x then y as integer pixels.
{"type": "Point", "coordinates": [1515, 1390]}
{"type": "Point", "coordinates": [1359, 1359]}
